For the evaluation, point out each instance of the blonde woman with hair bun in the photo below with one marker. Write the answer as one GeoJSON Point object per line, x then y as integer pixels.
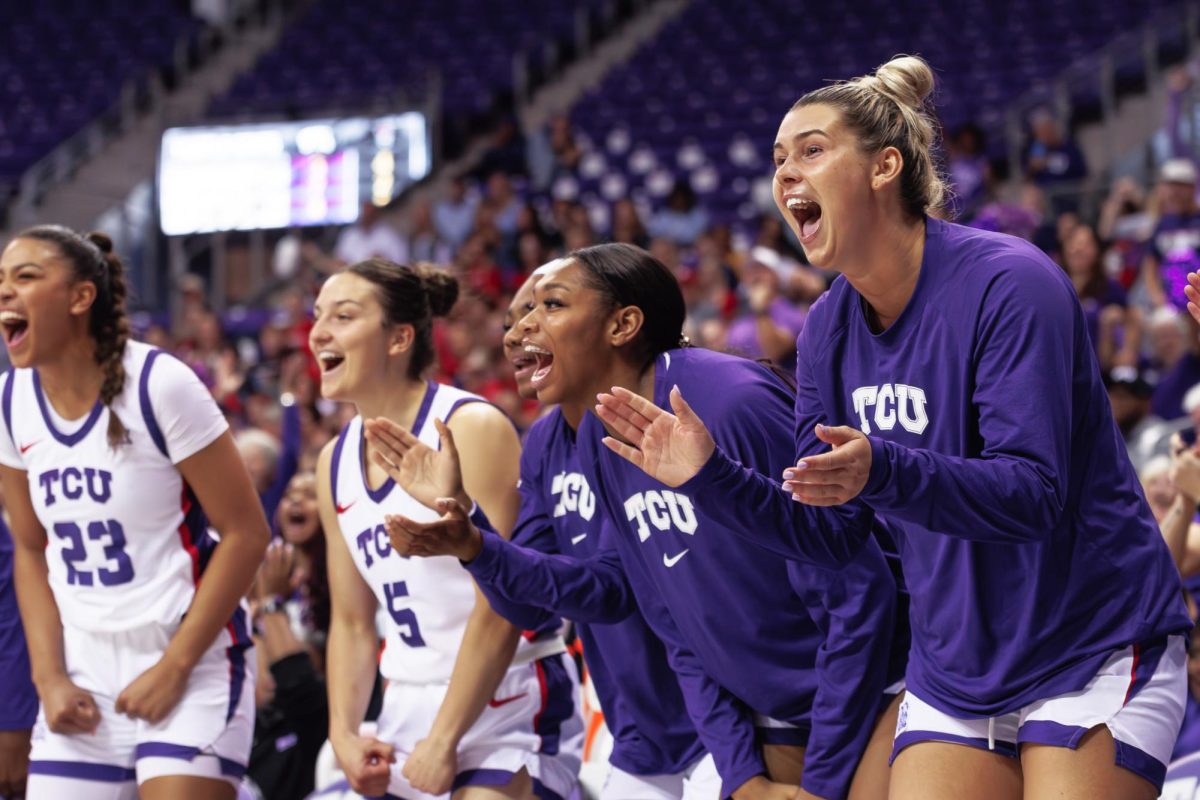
{"type": "Point", "coordinates": [947, 383]}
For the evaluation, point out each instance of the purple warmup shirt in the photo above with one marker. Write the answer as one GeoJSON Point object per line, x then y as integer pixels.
{"type": "Point", "coordinates": [745, 630]}
{"type": "Point", "coordinates": [18, 700]}
{"type": "Point", "coordinates": [818, 660]}
{"type": "Point", "coordinates": [638, 691]}
{"type": "Point", "coordinates": [1027, 545]}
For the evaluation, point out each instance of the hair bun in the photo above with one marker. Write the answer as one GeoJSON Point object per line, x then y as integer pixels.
{"type": "Point", "coordinates": [101, 240]}
{"type": "Point", "coordinates": [908, 80]}
{"type": "Point", "coordinates": [440, 287]}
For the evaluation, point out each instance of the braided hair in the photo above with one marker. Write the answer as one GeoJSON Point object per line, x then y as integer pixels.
{"type": "Point", "coordinates": [92, 259]}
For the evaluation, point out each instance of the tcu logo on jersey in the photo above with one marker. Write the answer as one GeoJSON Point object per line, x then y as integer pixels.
{"type": "Point", "coordinates": [374, 540]}
{"type": "Point", "coordinates": [663, 510]}
{"type": "Point", "coordinates": [891, 403]}
{"type": "Point", "coordinates": [72, 482]}
{"type": "Point", "coordinates": [573, 494]}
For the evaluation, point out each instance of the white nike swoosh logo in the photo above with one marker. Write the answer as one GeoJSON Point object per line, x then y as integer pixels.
{"type": "Point", "coordinates": [579, 538]}
{"type": "Point", "coordinates": [670, 561]}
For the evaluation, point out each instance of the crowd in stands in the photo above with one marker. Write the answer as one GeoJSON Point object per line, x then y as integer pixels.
{"type": "Point", "coordinates": [746, 281]}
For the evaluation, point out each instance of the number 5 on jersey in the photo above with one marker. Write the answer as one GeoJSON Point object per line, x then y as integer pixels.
{"type": "Point", "coordinates": [405, 618]}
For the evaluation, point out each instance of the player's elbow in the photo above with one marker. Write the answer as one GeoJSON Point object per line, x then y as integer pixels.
{"type": "Point", "coordinates": [608, 600]}
{"type": "Point", "coordinates": [614, 610]}
{"type": "Point", "coordinates": [252, 536]}
{"type": "Point", "coordinates": [877, 587]}
{"type": "Point", "coordinates": [247, 528]}
{"type": "Point", "coordinates": [486, 618]}
{"type": "Point", "coordinates": [839, 536]}
{"type": "Point", "coordinates": [1033, 507]}
{"type": "Point", "coordinates": [353, 624]}
{"type": "Point", "coordinates": [623, 602]}
{"type": "Point", "coordinates": [1048, 506]}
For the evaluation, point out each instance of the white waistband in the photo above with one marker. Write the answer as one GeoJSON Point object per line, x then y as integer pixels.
{"type": "Point", "coordinates": [534, 651]}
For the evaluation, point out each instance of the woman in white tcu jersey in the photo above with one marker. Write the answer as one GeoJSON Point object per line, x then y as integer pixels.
{"type": "Point", "coordinates": [473, 709]}
{"type": "Point", "coordinates": [108, 450]}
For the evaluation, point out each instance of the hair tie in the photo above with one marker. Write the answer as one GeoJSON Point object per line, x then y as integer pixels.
{"type": "Point", "coordinates": [95, 248]}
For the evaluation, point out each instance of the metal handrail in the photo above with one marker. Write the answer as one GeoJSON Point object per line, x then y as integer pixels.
{"type": "Point", "coordinates": [70, 154]}
{"type": "Point", "coordinates": [1101, 67]}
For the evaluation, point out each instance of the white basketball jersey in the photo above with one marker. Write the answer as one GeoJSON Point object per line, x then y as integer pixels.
{"type": "Point", "coordinates": [427, 600]}
{"type": "Point", "coordinates": [126, 538]}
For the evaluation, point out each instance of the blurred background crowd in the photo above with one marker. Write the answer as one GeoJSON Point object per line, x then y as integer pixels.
{"type": "Point", "coordinates": [746, 282]}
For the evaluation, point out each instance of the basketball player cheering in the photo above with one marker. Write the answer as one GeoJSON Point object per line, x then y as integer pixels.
{"type": "Point", "coordinates": [109, 449]}
{"type": "Point", "coordinates": [949, 372]}
{"type": "Point", "coordinates": [472, 708]}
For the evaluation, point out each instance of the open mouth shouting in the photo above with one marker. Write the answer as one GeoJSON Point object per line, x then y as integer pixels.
{"type": "Point", "coordinates": [544, 360]}
{"type": "Point", "coordinates": [15, 327]}
{"type": "Point", "coordinates": [807, 214]}
{"type": "Point", "coordinates": [295, 521]}
{"type": "Point", "coordinates": [329, 361]}
{"type": "Point", "coordinates": [523, 364]}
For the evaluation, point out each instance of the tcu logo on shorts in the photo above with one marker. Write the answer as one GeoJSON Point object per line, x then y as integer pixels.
{"type": "Point", "coordinates": [573, 494]}
{"type": "Point", "coordinates": [891, 403]}
{"type": "Point", "coordinates": [664, 510]}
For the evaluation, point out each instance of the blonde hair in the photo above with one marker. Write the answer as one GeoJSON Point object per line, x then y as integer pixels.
{"type": "Point", "coordinates": [891, 109]}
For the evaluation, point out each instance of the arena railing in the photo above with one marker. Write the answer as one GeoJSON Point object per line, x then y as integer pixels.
{"type": "Point", "coordinates": [140, 95]}
{"type": "Point", "coordinates": [1097, 76]}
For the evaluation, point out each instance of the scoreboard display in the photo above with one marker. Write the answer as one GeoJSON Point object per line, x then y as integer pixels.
{"type": "Point", "coordinates": [284, 174]}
